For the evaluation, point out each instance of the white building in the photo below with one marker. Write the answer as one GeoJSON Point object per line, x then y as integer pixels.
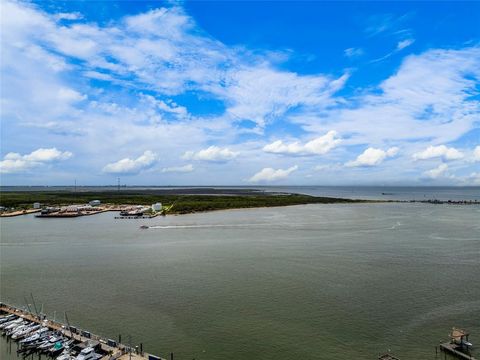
{"type": "Point", "coordinates": [157, 207]}
{"type": "Point", "coordinates": [95, 202]}
{"type": "Point", "coordinates": [36, 205]}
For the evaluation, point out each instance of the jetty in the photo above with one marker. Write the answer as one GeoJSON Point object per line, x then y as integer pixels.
{"type": "Point", "coordinates": [106, 349]}
{"type": "Point", "coordinates": [458, 346]}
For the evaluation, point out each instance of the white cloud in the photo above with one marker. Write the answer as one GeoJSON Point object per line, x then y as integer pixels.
{"type": "Point", "coordinates": [68, 16]}
{"type": "Point", "coordinates": [353, 52]}
{"type": "Point", "coordinates": [431, 96]}
{"type": "Point", "coordinates": [404, 44]}
{"type": "Point", "coordinates": [261, 94]}
{"type": "Point", "coordinates": [49, 63]}
{"type": "Point", "coordinates": [70, 95]}
{"type": "Point", "coordinates": [436, 172]}
{"type": "Point", "coordinates": [318, 146]}
{"type": "Point", "coordinates": [474, 179]}
{"type": "Point", "coordinates": [476, 153]}
{"type": "Point", "coordinates": [270, 174]}
{"type": "Point", "coordinates": [16, 163]}
{"type": "Point", "coordinates": [373, 157]}
{"type": "Point", "coordinates": [132, 166]}
{"type": "Point", "coordinates": [212, 153]}
{"type": "Point", "coordinates": [440, 151]}
{"type": "Point", "coordinates": [178, 169]}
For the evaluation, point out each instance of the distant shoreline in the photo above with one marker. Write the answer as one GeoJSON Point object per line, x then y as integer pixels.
{"type": "Point", "coordinates": [177, 200]}
{"type": "Point", "coordinates": [184, 201]}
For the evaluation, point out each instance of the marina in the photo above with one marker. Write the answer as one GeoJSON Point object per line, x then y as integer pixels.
{"type": "Point", "coordinates": [34, 333]}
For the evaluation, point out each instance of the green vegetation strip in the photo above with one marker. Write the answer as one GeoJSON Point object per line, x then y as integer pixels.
{"type": "Point", "coordinates": [183, 203]}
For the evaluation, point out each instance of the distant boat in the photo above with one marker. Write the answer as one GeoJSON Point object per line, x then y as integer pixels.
{"type": "Point", "coordinates": [144, 227]}
{"type": "Point", "coordinates": [384, 193]}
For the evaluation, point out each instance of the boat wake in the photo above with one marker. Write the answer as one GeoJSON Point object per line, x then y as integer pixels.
{"type": "Point", "coordinates": [204, 226]}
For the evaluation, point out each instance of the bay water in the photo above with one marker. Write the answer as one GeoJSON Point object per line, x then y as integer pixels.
{"type": "Point", "coordinates": [329, 281]}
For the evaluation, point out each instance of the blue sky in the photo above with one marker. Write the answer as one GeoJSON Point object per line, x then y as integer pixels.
{"type": "Point", "coordinates": [240, 93]}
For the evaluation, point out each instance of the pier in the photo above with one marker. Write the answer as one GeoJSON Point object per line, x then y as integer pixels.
{"type": "Point", "coordinates": [458, 345]}
{"type": "Point", "coordinates": [108, 349]}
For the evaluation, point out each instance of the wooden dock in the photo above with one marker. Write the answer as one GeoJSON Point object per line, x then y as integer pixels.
{"type": "Point", "coordinates": [112, 352]}
{"type": "Point", "coordinates": [387, 357]}
{"type": "Point", "coordinates": [452, 349]}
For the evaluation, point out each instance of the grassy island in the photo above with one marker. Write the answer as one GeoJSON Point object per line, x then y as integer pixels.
{"type": "Point", "coordinates": [184, 200]}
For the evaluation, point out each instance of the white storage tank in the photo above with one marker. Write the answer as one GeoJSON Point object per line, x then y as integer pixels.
{"type": "Point", "coordinates": [157, 207]}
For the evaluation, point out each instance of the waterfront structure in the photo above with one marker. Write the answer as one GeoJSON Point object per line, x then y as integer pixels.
{"type": "Point", "coordinates": [36, 205]}
{"type": "Point", "coordinates": [74, 338]}
{"type": "Point", "coordinates": [95, 202]}
{"type": "Point", "coordinates": [157, 207]}
{"type": "Point", "coordinates": [459, 346]}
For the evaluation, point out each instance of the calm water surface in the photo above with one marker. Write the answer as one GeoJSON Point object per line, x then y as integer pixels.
{"type": "Point", "coordinates": [311, 282]}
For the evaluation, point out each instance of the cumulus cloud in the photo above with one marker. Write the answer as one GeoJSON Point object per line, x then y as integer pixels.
{"type": "Point", "coordinates": [429, 99]}
{"type": "Point", "coordinates": [129, 166]}
{"type": "Point", "coordinates": [373, 157]}
{"type": "Point", "coordinates": [270, 174]}
{"type": "Point", "coordinates": [16, 163]}
{"type": "Point", "coordinates": [318, 146]}
{"type": "Point", "coordinates": [436, 172]}
{"type": "Point", "coordinates": [178, 169]}
{"type": "Point", "coordinates": [476, 153]}
{"type": "Point", "coordinates": [212, 153]}
{"type": "Point", "coordinates": [440, 151]}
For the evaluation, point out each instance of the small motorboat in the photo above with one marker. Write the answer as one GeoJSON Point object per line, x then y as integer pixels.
{"type": "Point", "coordinates": [7, 318]}
{"type": "Point", "coordinates": [10, 329]}
{"type": "Point", "coordinates": [59, 347]}
{"type": "Point", "coordinates": [35, 336]}
{"type": "Point", "coordinates": [65, 355]}
{"type": "Point", "coordinates": [86, 354]}
{"type": "Point", "coordinates": [9, 323]}
{"type": "Point", "coordinates": [19, 335]}
{"type": "Point", "coordinates": [50, 342]}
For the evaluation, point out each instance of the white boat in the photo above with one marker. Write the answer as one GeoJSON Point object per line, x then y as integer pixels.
{"type": "Point", "coordinates": [7, 318]}
{"type": "Point", "coordinates": [14, 329]}
{"type": "Point", "coordinates": [8, 323]}
{"type": "Point", "coordinates": [17, 329]}
{"type": "Point", "coordinates": [35, 336]}
{"type": "Point", "coordinates": [49, 342]}
{"type": "Point", "coordinates": [65, 355]}
{"type": "Point", "coordinates": [86, 354]}
{"type": "Point", "coordinates": [10, 329]}
{"type": "Point", "coordinates": [25, 332]}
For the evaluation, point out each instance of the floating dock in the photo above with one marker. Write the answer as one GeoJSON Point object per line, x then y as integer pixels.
{"type": "Point", "coordinates": [110, 349]}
